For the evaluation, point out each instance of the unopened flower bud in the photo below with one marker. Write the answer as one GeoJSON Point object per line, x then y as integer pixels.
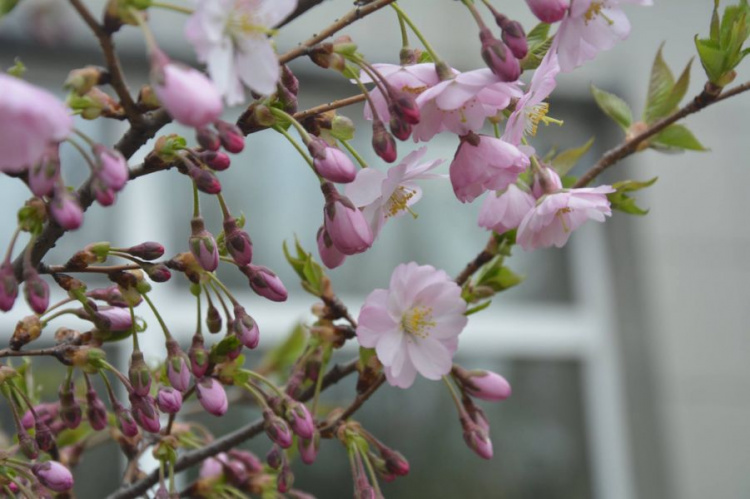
{"type": "Point", "coordinates": [111, 295]}
{"type": "Point", "coordinates": [275, 457]}
{"type": "Point", "coordinates": [498, 57]}
{"type": "Point", "coordinates": [208, 139]}
{"type": "Point", "coordinates": [383, 143]}
{"type": "Point", "coordinates": [277, 429]}
{"type": "Point", "coordinates": [477, 439]}
{"type": "Point", "coordinates": [399, 127]}
{"type": "Point", "coordinates": [157, 272]}
{"type": "Point", "coordinates": [45, 412]}
{"type": "Point", "coordinates": [285, 479]}
{"type": "Point", "coordinates": [82, 80]}
{"type": "Point", "coordinates": [8, 286]}
{"type": "Point", "coordinates": [230, 136]}
{"type": "Point", "coordinates": [125, 420]}
{"type": "Point", "coordinates": [205, 180]}
{"type": "Point", "coordinates": [110, 318]}
{"type": "Point", "coordinates": [394, 461]}
{"type": "Point", "coordinates": [28, 445]}
{"type": "Point", "coordinates": [112, 167]}
{"type": "Point", "coordinates": [487, 385]}
{"type": "Point", "coordinates": [213, 319]}
{"type": "Point", "coordinates": [237, 242]}
{"type": "Point", "coordinates": [245, 328]}
{"type": "Point", "coordinates": [308, 448]}
{"type": "Point", "coordinates": [198, 356]}
{"type": "Point", "coordinates": [212, 396]}
{"type": "Point", "coordinates": [43, 436]}
{"type": "Point", "coordinates": [331, 256]}
{"type": "Point", "coordinates": [145, 413]}
{"type": "Point", "coordinates": [288, 79]}
{"type": "Point", "coordinates": [65, 209]}
{"type": "Point", "coordinates": [249, 460]}
{"type": "Point", "coordinates": [345, 224]}
{"type": "Point", "coordinates": [405, 106]}
{"type": "Point", "coordinates": [178, 371]}
{"type": "Point", "coordinates": [96, 411]}
{"type": "Point", "coordinates": [169, 400]}
{"type": "Point", "coordinates": [139, 374]}
{"type": "Point", "coordinates": [265, 282]}
{"type": "Point", "coordinates": [549, 11]}
{"type": "Point", "coordinates": [53, 475]}
{"type": "Point", "coordinates": [300, 419]}
{"type": "Point", "coordinates": [70, 410]}
{"type": "Point", "coordinates": [146, 251]}
{"type": "Point", "coordinates": [203, 245]}
{"type": "Point", "coordinates": [515, 38]}
{"type": "Point", "coordinates": [330, 162]}
{"type": "Point", "coordinates": [216, 160]}
{"type": "Point", "coordinates": [44, 175]}
{"type": "Point", "coordinates": [27, 330]}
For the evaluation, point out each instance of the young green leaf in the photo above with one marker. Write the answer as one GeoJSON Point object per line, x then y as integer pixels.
{"type": "Point", "coordinates": [283, 355]}
{"type": "Point", "coordinates": [566, 160]}
{"type": "Point", "coordinates": [614, 107]}
{"type": "Point", "coordinates": [622, 202]}
{"type": "Point", "coordinates": [679, 137]}
{"type": "Point", "coordinates": [659, 88]}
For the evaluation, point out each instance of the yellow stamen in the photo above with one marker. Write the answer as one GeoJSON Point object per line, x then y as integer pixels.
{"type": "Point", "coordinates": [535, 114]}
{"type": "Point", "coordinates": [398, 202]}
{"type": "Point", "coordinates": [595, 9]}
{"type": "Point", "coordinates": [560, 214]}
{"type": "Point", "coordinates": [417, 321]}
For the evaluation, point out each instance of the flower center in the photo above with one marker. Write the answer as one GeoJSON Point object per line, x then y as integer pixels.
{"type": "Point", "coordinates": [595, 9]}
{"type": "Point", "coordinates": [244, 22]}
{"type": "Point", "coordinates": [417, 321]}
{"type": "Point", "coordinates": [535, 114]}
{"type": "Point", "coordinates": [399, 201]}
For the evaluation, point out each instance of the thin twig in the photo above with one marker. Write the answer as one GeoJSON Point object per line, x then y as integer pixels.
{"type": "Point", "coordinates": [323, 108]}
{"type": "Point", "coordinates": [354, 406]}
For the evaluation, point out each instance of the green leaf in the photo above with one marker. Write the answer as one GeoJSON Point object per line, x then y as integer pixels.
{"type": "Point", "coordinates": [614, 107]}
{"type": "Point", "coordinates": [7, 5]}
{"type": "Point", "coordinates": [281, 357]}
{"type": "Point", "coordinates": [535, 55]}
{"type": "Point", "coordinates": [622, 202]}
{"type": "Point", "coordinates": [678, 91]}
{"type": "Point", "coordinates": [314, 280]}
{"type": "Point", "coordinates": [425, 57]}
{"type": "Point", "coordinates": [566, 160]}
{"type": "Point", "coordinates": [660, 87]}
{"type": "Point", "coordinates": [70, 437]}
{"type": "Point", "coordinates": [18, 68]}
{"type": "Point", "coordinates": [712, 59]}
{"type": "Point", "coordinates": [715, 22]}
{"type": "Point", "coordinates": [497, 277]}
{"type": "Point", "coordinates": [221, 349]}
{"type": "Point", "coordinates": [478, 308]}
{"type": "Point", "coordinates": [350, 71]}
{"type": "Point", "coordinates": [679, 137]}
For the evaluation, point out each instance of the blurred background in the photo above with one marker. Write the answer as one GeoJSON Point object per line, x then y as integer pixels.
{"type": "Point", "coordinates": [627, 350]}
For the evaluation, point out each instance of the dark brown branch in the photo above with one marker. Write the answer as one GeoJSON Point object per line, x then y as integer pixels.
{"type": "Point", "coordinates": [302, 7]}
{"type": "Point", "coordinates": [487, 254]}
{"type": "Point", "coordinates": [228, 441]}
{"type": "Point", "coordinates": [709, 95]}
{"type": "Point", "coordinates": [57, 351]}
{"type": "Point", "coordinates": [323, 108]}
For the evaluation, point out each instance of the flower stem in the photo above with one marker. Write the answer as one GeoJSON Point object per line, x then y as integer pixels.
{"type": "Point", "coordinates": [83, 153]}
{"type": "Point", "coordinates": [264, 380]}
{"type": "Point", "coordinates": [474, 12]}
{"type": "Point", "coordinates": [13, 239]}
{"type": "Point", "coordinates": [298, 147]}
{"type": "Point", "coordinates": [354, 153]}
{"type": "Point", "coordinates": [280, 113]}
{"type": "Point", "coordinates": [418, 33]}
{"type": "Point", "coordinates": [173, 7]}
{"type": "Point", "coordinates": [158, 316]}
{"type": "Point", "coordinates": [454, 395]}
{"type": "Point", "coordinates": [404, 33]}
{"type": "Point", "coordinates": [196, 201]}
{"type": "Point", "coordinates": [225, 289]}
{"type": "Point", "coordinates": [224, 208]}
{"type": "Point", "coordinates": [257, 393]}
{"type": "Point", "coordinates": [136, 346]}
{"type": "Point", "coordinates": [319, 381]}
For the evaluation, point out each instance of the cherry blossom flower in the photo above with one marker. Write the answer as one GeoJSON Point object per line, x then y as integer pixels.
{"type": "Point", "coordinates": [31, 119]}
{"type": "Point", "coordinates": [504, 211]}
{"type": "Point", "coordinates": [414, 325]}
{"type": "Point", "coordinates": [558, 214]}
{"type": "Point", "coordinates": [590, 27]}
{"type": "Point", "coordinates": [413, 79]}
{"type": "Point", "coordinates": [462, 103]}
{"type": "Point", "coordinates": [484, 163]}
{"type": "Point", "coordinates": [382, 195]}
{"type": "Point", "coordinates": [231, 37]}
{"type": "Point", "coordinates": [531, 108]}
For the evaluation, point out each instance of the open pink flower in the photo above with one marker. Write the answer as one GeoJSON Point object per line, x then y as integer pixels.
{"type": "Point", "coordinates": [504, 211]}
{"type": "Point", "coordinates": [461, 104]}
{"type": "Point", "coordinates": [591, 27]}
{"type": "Point", "coordinates": [231, 36]}
{"type": "Point", "coordinates": [484, 163]}
{"type": "Point", "coordinates": [31, 119]}
{"type": "Point", "coordinates": [413, 79]}
{"type": "Point", "coordinates": [414, 325]}
{"type": "Point", "coordinates": [558, 214]}
{"type": "Point", "coordinates": [531, 108]}
{"type": "Point", "coordinates": [382, 195]}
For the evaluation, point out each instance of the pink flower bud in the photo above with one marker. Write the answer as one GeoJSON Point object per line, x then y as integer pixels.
{"type": "Point", "coordinates": [139, 374]}
{"type": "Point", "coordinates": [216, 160]}
{"type": "Point", "coordinates": [237, 242]}
{"type": "Point", "coordinates": [477, 439]}
{"type": "Point", "coordinates": [213, 319]}
{"type": "Point", "coordinates": [212, 467]}
{"type": "Point", "coordinates": [205, 180]}
{"type": "Point", "coordinates": [345, 224]}
{"type": "Point", "coordinates": [36, 291]}
{"type": "Point", "coordinates": [395, 462]}
{"type": "Point", "coordinates": [169, 400]}
{"type": "Point", "coordinates": [308, 448]}
{"type": "Point", "coordinates": [114, 318]}
{"type": "Point", "coordinates": [198, 356]}
{"type": "Point", "coordinates": [43, 436]}
{"type": "Point", "coordinates": [231, 136]}
{"type": "Point", "coordinates": [249, 460]}
{"type": "Point", "coordinates": [146, 251]}
{"type": "Point", "coordinates": [383, 143]}
{"type": "Point", "coordinates": [157, 272]}
{"type": "Point", "coordinates": [300, 419]}
{"type": "Point", "coordinates": [103, 194]}
{"type": "Point", "coordinates": [44, 175]}
{"type": "Point", "coordinates": [27, 445]}
{"type": "Point", "coordinates": [406, 107]}
{"type": "Point", "coordinates": [498, 57]}
{"type": "Point", "coordinates": [265, 282]}
{"type": "Point", "coordinates": [111, 295]}
{"type": "Point", "coordinates": [70, 411]}
{"type": "Point", "coordinates": [8, 286]}
{"type": "Point", "coordinates": [331, 256]}
{"type": "Point", "coordinates": [187, 94]}
{"type": "Point", "coordinates": [65, 209]}
{"type": "Point", "coordinates": [546, 181]}
{"type": "Point", "coordinates": [330, 162]}
{"type": "Point", "coordinates": [245, 328]}
{"type": "Point", "coordinates": [399, 128]}
{"type": "Point", "coordinates": [284, 480]}
{"type": "Point", "coordinates": [177, 366]}
{"type": "Point", "coordinates": [112, 167]}
{"type": "Point", "coordinates": [46, 412]}
{"type": "Point", "coordinates": [515, 38]}
{"type": "Point", "coordinates": [212, 396]}
{"type": "Point", "coordinates": [203, 246]}
{"type": "Point", "coordinates": [275, 457]}
{"type": "Point", "coordinates": [277, 429]}
{"type": "Point", "coordinates": [96, 411]}
{"type": "Point", "coordinates": [53, 475]}
{"type": "Point", "coordinates": [208, 139]}
{"type": "Point", "coordinates": [145, 413]}
{"type": "Point", "coordinates": [487, 385]}
{"type": "Point", "coordinates": [549, 11]}
{"type": "Point", "coordinates": [125, 420]}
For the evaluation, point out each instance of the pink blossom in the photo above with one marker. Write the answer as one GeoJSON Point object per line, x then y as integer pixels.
{"type": "Point", "coordinates": [484, 163]}
{"type": "Point", "coordinates": [531, 108]}
{"type": "Point", "coordinates": [413, 79]}
{"type": "Point", "coordinates": [552, 182]}
{"type": "Point", "coordinates": [549, 11]}
{"type": "Point", "coordinates": [231, 36]}
{"type": "Point", "coordinates": [31, 119]}
{"type": "Point", "coordinates": [590, 27]}
{"type": "Point", "coordinates": [382, 195]}
{"type": "Point", "coordinates": [331, 163]}
{"type": "Point", "coordinates": [414, 325]}
{"type": "Point", "coordinates": [187, 94]}
{"type": "Point", "coordinates": [558, 214]}
{"type": "Point", "coordinates": [462, 103]}
{"type": "Point", "coordinates": [345, 224]}
{"type": "Point", "coordinates": [504, 211]}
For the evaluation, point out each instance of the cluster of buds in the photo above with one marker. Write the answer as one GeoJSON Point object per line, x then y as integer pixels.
{"type": "Point", "coordinates": [503, 56]}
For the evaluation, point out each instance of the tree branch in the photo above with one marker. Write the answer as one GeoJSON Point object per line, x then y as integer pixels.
{"type": "Point", "coordinates": [302, 7]}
